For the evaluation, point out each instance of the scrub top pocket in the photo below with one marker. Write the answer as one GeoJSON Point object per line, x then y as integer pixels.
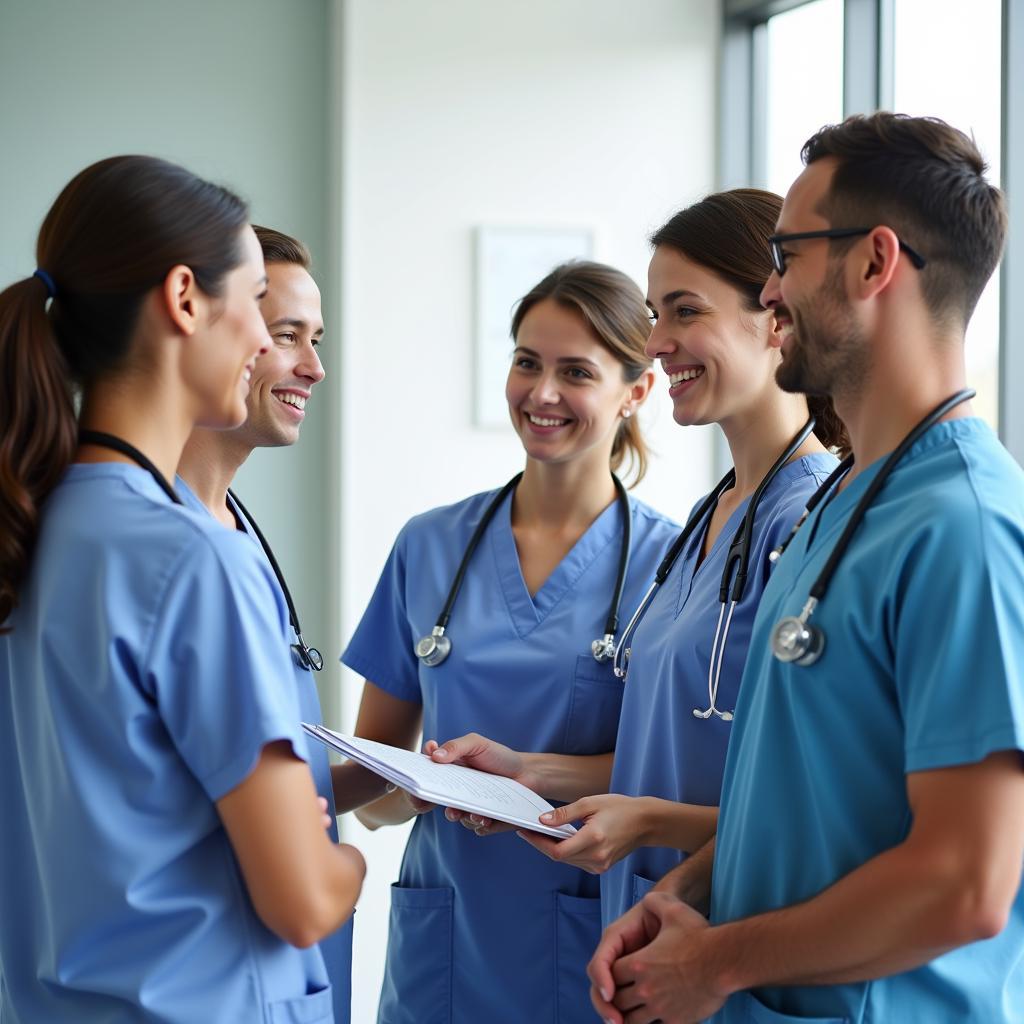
{"type": "Point", "coordinates": [594, 705]}
{"type": "Point", "coordinates": [313, 1008]}
{"type": "Point", "coordinates": [641, 887]}
{"type": "Point", "coordinates": [418, 978]}
{"type": "Point", "coordinates": [753, 1011]}
{"type": "Point", "coordinates": [577, 933]}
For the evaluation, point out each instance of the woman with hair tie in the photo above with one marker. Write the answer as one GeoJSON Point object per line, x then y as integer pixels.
{"type": "Point", "coordinates": [164, 853]}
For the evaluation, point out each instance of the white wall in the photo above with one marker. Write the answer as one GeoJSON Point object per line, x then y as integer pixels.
{"type": "Point", "coordinates": [456, 114]}
{"type": "Point", "coordinates": [235, 90]}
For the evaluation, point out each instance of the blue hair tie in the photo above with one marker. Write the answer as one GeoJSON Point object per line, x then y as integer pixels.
{"type": "Point", "coordinates": [51, 288]}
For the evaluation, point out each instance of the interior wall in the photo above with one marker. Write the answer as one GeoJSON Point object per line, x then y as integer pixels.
{"type": "Point", "coordinates": [235, 90]}
{"type": "Point", "coordinates": [590, 113]}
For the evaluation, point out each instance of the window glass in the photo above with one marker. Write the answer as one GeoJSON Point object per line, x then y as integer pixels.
{"type": "Point", "coordinates": [805, 84]}
{"type": "Point", "coordinates": [947, 64]}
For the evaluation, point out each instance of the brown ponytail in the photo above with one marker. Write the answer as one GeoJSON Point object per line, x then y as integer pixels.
{"type": "Point", "coordinates": [614, 308]}
{"type": "Point", "coordinates": [112, 235]}
{"type": "Point", "coordinates": [727, 233]}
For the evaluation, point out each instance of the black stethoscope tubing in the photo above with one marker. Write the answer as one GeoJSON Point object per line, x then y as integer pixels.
{"type": "Point", "coordinates": [434, 648]}
{"type": "Point", "coordinates": [308, 657]}
{"type": "Point", "coordinates": [738, 558]}
{"type": "Point", "coordinates": [792, 639]}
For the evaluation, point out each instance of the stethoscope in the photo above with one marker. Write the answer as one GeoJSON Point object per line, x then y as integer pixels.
{"type": "Point", "coordinates": [307, 657]}
{"type": "Point", "coordinates": [738, 559]}
{"type": "Point", "coordinates": [793, 639]}
{"type": "Point", "coordinates": [435, 647]}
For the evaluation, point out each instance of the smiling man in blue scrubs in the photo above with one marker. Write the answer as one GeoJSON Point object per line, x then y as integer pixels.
{"type": "Point", "coordinates": [281, 384]}
{"type": "Point", "coordinates": [868, 862]}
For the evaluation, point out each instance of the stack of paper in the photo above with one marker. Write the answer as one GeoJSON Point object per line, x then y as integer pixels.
{"type": "Point", "coordinates": [448, 785]}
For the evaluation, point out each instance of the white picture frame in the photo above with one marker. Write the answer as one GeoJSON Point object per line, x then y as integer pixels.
{"type": "Point", "coordinates": [509, 262]}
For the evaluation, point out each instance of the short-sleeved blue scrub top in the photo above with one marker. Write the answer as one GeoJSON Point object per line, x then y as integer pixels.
{"type": "Point", "coordinates": [662, 749]}
{"type": "Point", "coordinates": [487, 929]}
{"type": "Point", "coordinates": [923, 668]}
{"type": "Point", "coordinates": [337, 947]}
{"type": "Point", "coordinates": [139, 683]}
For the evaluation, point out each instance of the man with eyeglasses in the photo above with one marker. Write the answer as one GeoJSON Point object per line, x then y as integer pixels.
{"type": "Point", "coordinates": [868, 861]}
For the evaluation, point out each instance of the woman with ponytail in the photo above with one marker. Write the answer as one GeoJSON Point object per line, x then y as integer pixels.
{"type": "Point", "coordinates": [497, 933]}
{"type": "Point", "coordinates": [164, 853]}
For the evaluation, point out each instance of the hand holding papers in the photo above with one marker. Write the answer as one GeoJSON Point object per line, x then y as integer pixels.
{"type": "Point", "coordinates": [449, 785]}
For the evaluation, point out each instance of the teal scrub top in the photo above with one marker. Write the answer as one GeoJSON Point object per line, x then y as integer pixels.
{"type": "Point", "coordinates": [923, 668]}
{"type": "Point", "coordinates": [337, 947]}
{"type": "Point", "coordinates": [488, 929]}
{"type": "Point", "coordinates": [139, 682]}
{"type": "Point", "coordinates": [662, 749]}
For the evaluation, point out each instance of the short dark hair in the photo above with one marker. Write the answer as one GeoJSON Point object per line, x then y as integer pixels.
{"type": "Point", "coordinates": [727, 233]}
{"type": "Point", "coordinates": [281, 248]}
{"type": "Point", "coordinates": [925, 180]}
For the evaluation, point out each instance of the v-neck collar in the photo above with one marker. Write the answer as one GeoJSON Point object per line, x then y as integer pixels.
{"type": "Point", "coordinates": [689, 570]}
{"type": "Point", "coordinates": [528, 612]}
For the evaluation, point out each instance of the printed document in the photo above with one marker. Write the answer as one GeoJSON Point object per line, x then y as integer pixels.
{"type": "Point", "coordinates": [447, 785]}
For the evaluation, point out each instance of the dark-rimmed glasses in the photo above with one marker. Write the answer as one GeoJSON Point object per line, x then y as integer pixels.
{"type": "Point", "coordinates": [776, 242]}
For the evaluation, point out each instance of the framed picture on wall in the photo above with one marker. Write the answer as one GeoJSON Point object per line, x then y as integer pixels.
{"type": "Point", "coordinates": [509, 262]}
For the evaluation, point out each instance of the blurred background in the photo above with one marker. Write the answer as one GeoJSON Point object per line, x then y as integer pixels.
{"type": "Point", "coordinates": [387, 134]}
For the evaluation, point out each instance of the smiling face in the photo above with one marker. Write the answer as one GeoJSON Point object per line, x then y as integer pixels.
{"type": "Point", "coordinates": [719, 356]}
{"type": "Point", "coordinates": [823, 347]}
{"type": "Point", "coordinates": [285, 375]}
{"type": "Point", "coordinates": [219, 367]}
{"type": "Point", "coordinates": [566, 392]}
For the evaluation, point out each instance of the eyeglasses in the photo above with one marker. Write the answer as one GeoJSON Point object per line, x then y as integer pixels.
{"type": "Point", "coordinates": [775, 244]}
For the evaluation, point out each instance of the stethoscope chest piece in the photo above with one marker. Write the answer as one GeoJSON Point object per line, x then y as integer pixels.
{"type": "Point", "coordinates": [796, 642]}
{"type": "Point", "coordinates": [434, 648]}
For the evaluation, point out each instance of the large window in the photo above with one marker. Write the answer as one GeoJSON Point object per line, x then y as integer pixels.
{"type": "Point", "coordinates": [805, 84]}
{"type": "Point", "coordinates": [934, 73]}
{"type": "Point", "coordinates": [790, 66]}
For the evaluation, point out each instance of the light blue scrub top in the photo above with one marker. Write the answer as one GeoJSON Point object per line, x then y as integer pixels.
{"type": "Point", "coordinates": [139, 684]}
{"type": "Point", "coordinates": [487, 929]}
{"type": "Point", "coordinates": [662, 749]}
{"type": "Point", "coordinates": [336, 948]}
{"type": "Point", "coordinates": [922, 669]}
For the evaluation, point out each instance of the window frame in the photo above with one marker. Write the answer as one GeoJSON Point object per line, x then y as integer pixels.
{"type": "Point", "coordinates": [868, 76]}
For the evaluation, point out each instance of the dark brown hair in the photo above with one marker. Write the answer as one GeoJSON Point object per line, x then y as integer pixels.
{"type": "Point", "coordinates": [925, 180]}
{"type": "Point", "coordinates": [112, 235]}
{"type": "Point", "coordinates": [281, 248]}
{"type": "Point", "coordinates": [728, 232]}
{"type": "Point", "coordinates": [614, 309]}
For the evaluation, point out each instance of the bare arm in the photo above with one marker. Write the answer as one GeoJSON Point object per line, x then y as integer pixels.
{"type": "Point", "coordinates": [302, 886]}
{"type": "Point", "coordinates": [614, 825]}
{"type": "Point", "coordinates": [952, 881]}
{"type": "Point", "coordinates": [385, 719]}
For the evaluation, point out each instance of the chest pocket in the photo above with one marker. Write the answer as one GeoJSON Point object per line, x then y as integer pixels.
{"type": "Point", "coordinates": [594, 706]}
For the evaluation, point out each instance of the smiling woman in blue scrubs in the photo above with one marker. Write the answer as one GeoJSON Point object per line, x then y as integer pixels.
{"type": "Point", "coordinates": [493, 932]}
{"type": "Point", "coordinates": [719, 350]}
{"type": "Point", "coordinates": [164, 853]}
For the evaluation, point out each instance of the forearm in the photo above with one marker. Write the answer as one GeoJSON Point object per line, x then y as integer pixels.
{"type": "Point", "coordinates": [894, 913]}
{"type": "Point", "coordinates": [390, 809]}
{"type": "Point", "coordinates": [685, 827]}
{"type": "Point", "coordinates": [691, 880]}
{"type": "Point", "coordinates": [354, 786]}
{"type": "Point", "coordinates": [567, 777]}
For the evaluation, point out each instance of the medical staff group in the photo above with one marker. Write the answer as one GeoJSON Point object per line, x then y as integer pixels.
{"type": "Point", "coordinates": [829, 647]}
